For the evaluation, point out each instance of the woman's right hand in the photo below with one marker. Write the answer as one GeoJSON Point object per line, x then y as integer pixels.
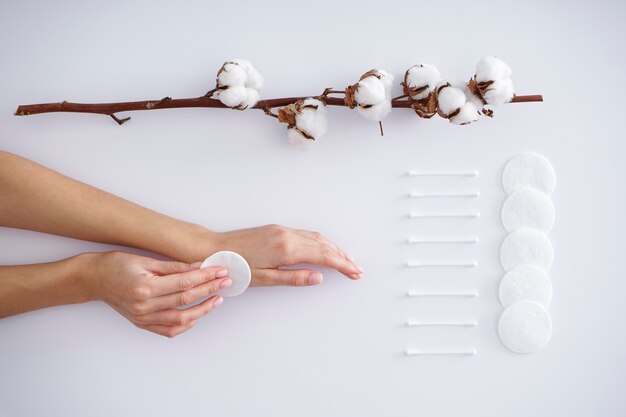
{"type": "Point", "coordinates": [149, 292]}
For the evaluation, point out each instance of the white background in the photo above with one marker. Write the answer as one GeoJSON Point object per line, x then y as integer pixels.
{"type": "Point", "coordinates": [335, 349]}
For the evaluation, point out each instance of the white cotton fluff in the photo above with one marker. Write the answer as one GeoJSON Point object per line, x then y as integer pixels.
{"type": "Point", "coordinates": [467, 114]}
{"type": "Point", "coordinates": [312, 121]}
{"type": "Point", "coordinates": [233, 96]}
{"type": "Point", "coordinates": [450, 99]}
{"type": "Point", "coordinates": [491, 68]}
{"type": "Point", "coordinates": [499, 92]}
{"type": "Point", "coordinates": [376, 112]}
{"type": "Point", "coordinates": [239, 84]}
{"type": "Point", "coordinates": [422, 75]}
{"type": "Point", "coordinates": [373, 96]}
{"type": "Point", "coordinates": [371, 91]}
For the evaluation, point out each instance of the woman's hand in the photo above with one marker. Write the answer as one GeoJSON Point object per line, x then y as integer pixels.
{"type": "Point", "coordinates": [271, 247]}
{"type": "Point", "coordinates": [149, 292]}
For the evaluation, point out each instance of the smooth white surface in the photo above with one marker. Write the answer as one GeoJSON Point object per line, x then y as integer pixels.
{"type": "Point", "coordinates": [526, 247]}
{"type": "Point", "coordinates": [529, 170]}
{"type": "Point", "coordinates": [525, 327]}
{"type": "Point", "coordinates": [238, 271]}
{"type": "Point", "coordinates": [530, 208]}
{"type": "Point", "coordinates": [527, 283]}
{"type": "Point", "coordinates": [337, 349]}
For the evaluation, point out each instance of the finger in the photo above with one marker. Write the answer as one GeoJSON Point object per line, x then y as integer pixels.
{"type": "Point", "coordinates": [169, 284]}
{"type": "Point", "coordinates": [175, 317]}
{"type": "Point", "coordinates": [321, 254]}
{"type": "Point", "coordinates": [167, 331]}
{"type": "Point", "coordinates": [187, 297]}
{"type": "Point", "coordinates": [171, 267]}
{"type": "Point", "coordinates": [318, 237]}
{"type": "Point", "coordinates": [291, 277]}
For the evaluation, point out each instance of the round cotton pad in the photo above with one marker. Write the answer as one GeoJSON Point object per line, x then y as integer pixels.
{"type": "Point", "coordinates": [526, 247]}
{"type": "Point", "coordinates": [528, 207]}
{"type": "Point", "coordinates": [528, 170]}
{"type": "Point", "coordinates": [525, 327]}
{"type": "Point", "coordinates": [526, 283]}
{"type": "Point", "coordinates": [238, 271]}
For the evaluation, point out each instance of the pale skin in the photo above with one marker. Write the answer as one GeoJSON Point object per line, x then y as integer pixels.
{"type": "Point", "coordinates": [152, 294]}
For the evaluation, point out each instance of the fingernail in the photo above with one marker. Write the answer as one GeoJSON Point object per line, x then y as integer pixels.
{"type": "Point", "coordinates": [350, 258]}
{"type": "Point", "coordinates": [361, 270]}
{"type": "Point", "coordinates": [355, 276]}
{"type": "Point", "coordinates": [218, 301]}
{"type": "Point", "coordinates": [315, 278]}
{"type": "Point", "coordinates": [196, 265]}
{"type": "Point", "coordinates": [221, 273]}
{"type": "Point", "coordinates": [226, 283]}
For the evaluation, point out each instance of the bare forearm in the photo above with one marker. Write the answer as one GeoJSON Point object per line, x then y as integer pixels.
{"type": "Point", "coordinates": [36, 198]}
{"type": "Point", "coordinates": [31, 287]}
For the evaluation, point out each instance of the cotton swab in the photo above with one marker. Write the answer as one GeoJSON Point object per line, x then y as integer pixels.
{"type": "Point", "coordinates": [434, 195]}
{"type": "Point", "coordinates": [415, 323]}
{"type": "Point", "coordinates": [470, 173]}
{"type": "Point", "coordinates": [414, 240]}
{"type": "Point", "coordinates": [469, 294]}
{"type": "Point", "coordinates": [413, 264]}
{"type": "Point", "coordinates": [419, 215]}
{"type": "Point", "coordinates": [414, 352]}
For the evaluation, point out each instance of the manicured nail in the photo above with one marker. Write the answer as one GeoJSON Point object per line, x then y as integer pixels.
{"type": "Point", "coordinates": [218, 301]}
{"type": "Point", "coordinates": [196, 265]}
{"type": "Point", "coordinates": [315, 278]}
{"type": "Point", "coordinates": [221, 273]}
{"type": "Point", "coordinates": [226, 283]}
{"type": "Point", "coordinates": [355, 276]}
{"type": "Point", "coordinates": [350, 258]}
{"type": "Point", "coordinates": [361, 270]}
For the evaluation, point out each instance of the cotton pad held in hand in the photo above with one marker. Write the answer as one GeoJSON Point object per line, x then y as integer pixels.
{"type": "Point", "coordinates": [238, 271]}
{"type": "Point", "coordinates": [525, 327]}
{"type": "Point", "coordinates": [528, 170]}
{"type": "Point", "coordinates": [526, 283]}
{"type": "Point", "coordinates": [530, 208]}
{"type": "Point", "coordinates": [526, 247]}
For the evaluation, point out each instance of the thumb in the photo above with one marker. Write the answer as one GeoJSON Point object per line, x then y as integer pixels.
{"type": "Point", "coordinates": [291, 277]}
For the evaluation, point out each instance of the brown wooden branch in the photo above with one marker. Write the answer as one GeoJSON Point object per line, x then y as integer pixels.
{"type": "Point", "coordinates": [110, 109]}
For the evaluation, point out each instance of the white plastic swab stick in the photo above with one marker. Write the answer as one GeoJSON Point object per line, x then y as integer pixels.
{"type": "Point", "coordinates": [469, 294]}
{"type": "Point", "coordinates": [419, 215]}
{"type": "Point", "coordinates": [465, 323]}
{"type": "Point", "coordinates": [428, 195]}
{"type": "Point", "coordinates": [469, 173]}
{"type": "Point", "coordinates": [413, 264]}
{"type": "Point", "coordinates": [414, 352]}
{"type": "Point", "coordinates": [413, 240]}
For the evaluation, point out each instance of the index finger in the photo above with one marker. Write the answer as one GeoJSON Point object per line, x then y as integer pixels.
{"type": "Point", "coordinates": [169, 284]}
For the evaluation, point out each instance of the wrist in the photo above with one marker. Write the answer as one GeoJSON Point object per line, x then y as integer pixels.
{"type": "Point", "coordinates": [81, 278]}
{"type": "Point", "coordinates": [197, 243]}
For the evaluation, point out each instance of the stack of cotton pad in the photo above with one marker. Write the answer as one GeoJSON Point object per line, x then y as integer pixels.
{"type": "Point", "coordinates": [526, 253]}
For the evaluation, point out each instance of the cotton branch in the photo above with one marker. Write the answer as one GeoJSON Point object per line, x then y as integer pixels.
{"type": "Point", "coordinates": [112, 108]}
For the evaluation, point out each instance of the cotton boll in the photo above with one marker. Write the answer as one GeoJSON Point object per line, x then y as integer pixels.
{"type": "Point", "coordinates": [298, 140]}
{"type": "Point", "coordinates": [376, 112]}
{"type": "Point", "coordinates": [422, 75]}
{"type": "Point", "coordinates": [233, 96]}
{"type": "Point", "coordinates": [231, 75]}
{"type": "Point", "coordinates": [491, 68]}
{"type": "Point", "coordinates": [467, 114]}
{"type": "Point", "coordinates": [370, 91]}
{"type": "Point", "coordinates": [499, 92]}
{"type": "Point", "coordinates": [312, 120]}
{"type": "Point", "coordinates": [252, 97]}
{"type": "Point", "coordinates": [254, 78]}
{"type": "Point", "coordinates": [450, 99]}
{"type": "Point", "coordinates": [387, 80]}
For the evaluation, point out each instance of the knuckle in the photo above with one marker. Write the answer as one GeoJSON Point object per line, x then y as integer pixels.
{"type": "Point", "coordinates": [318, 237]}
{"type": "Point", "coordinates": [185, 298]}
{"type": "Point", "coordinates": [182, 319]}
{"type": "Point", "coordinates": [299, 278]}
{"type": "Point", "coordinates": [185, 284]}
{"type": "Point", "coordinates": [140, 291]}
{"type": "Point", "coordinates": [137, 309]}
